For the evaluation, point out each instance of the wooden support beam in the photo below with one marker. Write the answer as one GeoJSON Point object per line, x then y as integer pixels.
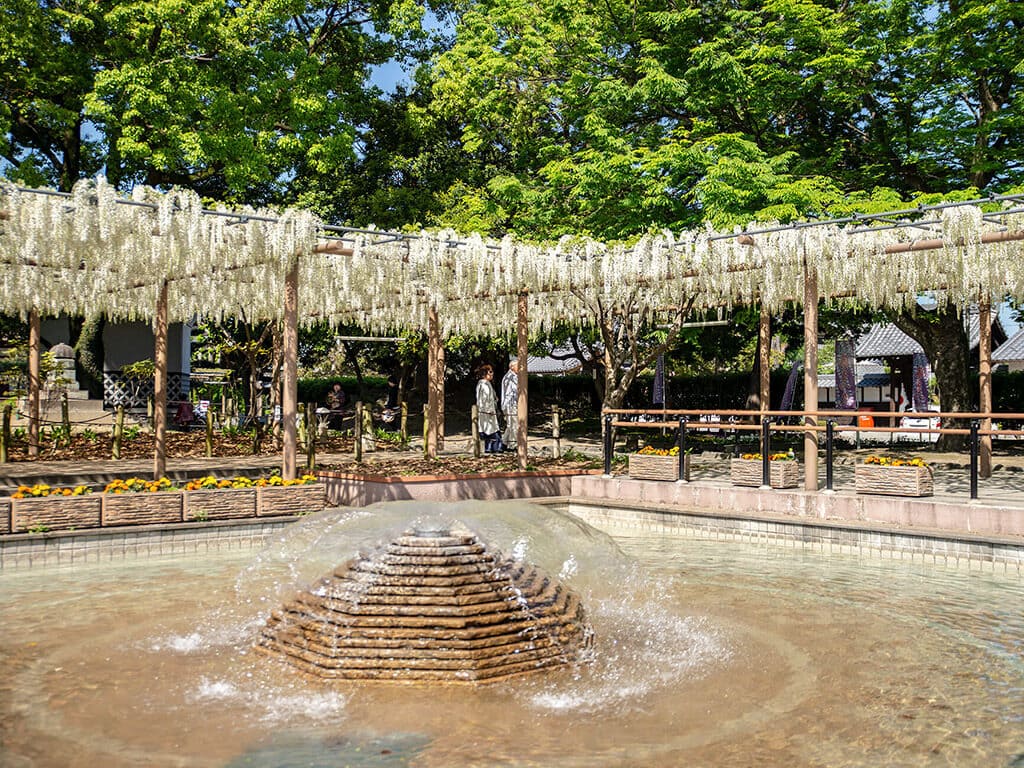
{"type": "Point", "coordinates": [334, 248]}
{"type": "Point", "coordinates": [931, 244]}
{"type": "Point", "coordinates": [810, 376]}
{"type": "Point", "coordinates": [290, 375]}
{"type": "Point", "coordinates": [34, 382]}
{"type": "Point", "coordinates": [522, 354]}
{"type": "Point", "coordinates": [987, 238]}
{"type": "Point", "coordinates": [435, 383]}
{"type": "Point", "coordinates": [764, 345]}
{"type": "Point", "coordinates": [160, 384]}
{"type": "Point", "coordinates": [985, 383]}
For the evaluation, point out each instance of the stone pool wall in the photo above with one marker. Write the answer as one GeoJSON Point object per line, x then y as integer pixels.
{"type": "Point", "coordinates": [351, 490]}
{"type": "Point", "coordinates": [915, 513]}
{"type": "Point", "coordinates": [98, 510]}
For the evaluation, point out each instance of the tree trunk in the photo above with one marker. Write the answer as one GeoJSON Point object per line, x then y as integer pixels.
{"type": "Point", "coordinates": [89, 352]}
{"type": "Point", "coordinates": [353, 359]}
{"type": "Point", "coordinates": [942, 336]}
{"type": "Point", "coordinates": [753, 401]}
{"type": "Point", "coordinates": [276, 369]}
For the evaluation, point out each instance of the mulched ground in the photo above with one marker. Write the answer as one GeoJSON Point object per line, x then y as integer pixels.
{"type": "Point", "coordinates": [389, 462]}
{"type": "Point", "coordinates": [413, 463]}
{"type": "Point", "coordinates": [180, 445]}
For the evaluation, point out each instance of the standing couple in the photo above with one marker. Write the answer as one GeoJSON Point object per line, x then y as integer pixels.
{"type": "Point", "coordinates": [487, 408]}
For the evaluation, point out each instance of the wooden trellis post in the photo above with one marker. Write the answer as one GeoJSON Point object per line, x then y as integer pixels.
{"type": "Point", "coordinates": [985, 384]}
{"type": "Point", "coordinates": [290, 374]}
{"type": "Point", "coordinates": [34, 382]}
{"type": "Point", "coordinates": [160, 385]}
{"type": "Point", "coordinates": [810, 375]}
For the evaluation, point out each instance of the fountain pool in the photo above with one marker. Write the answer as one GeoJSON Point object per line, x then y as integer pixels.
{"type": "Point", "coordinates": [705, 653]}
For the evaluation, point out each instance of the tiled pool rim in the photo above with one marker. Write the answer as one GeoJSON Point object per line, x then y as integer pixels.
{"type": "Point", "coordinates": [962, 550]}
{"type": "Point", "coordinates": [942, 548]}
{"type": "Point", "coordinates": [73, 548]}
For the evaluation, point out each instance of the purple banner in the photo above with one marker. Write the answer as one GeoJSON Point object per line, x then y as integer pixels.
{"type": "Point", "coordinates": [846, 375]}
{"type": "Point", "coordinates": [658, 392]}
{"type": "Point", "coordinates": [787, 396]}
{"type": "Point", "coordinates": [920, 381]}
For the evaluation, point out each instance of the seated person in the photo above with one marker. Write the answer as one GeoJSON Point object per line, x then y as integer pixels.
{"type": "Point", "coordinates": [336, 398]}
{"type": "Point", "coordinates": [391, 404]}
{"type": "Point", "coordinates": [336, 402]}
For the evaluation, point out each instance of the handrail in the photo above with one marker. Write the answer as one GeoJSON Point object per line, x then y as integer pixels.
{"type": "Point", "coordinates": [827, 413]}
{"type": "Point", "coordinates": [828, 425]}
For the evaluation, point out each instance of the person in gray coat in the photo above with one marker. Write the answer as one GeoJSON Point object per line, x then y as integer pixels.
{"type": "Point", "coordinates": [487, 410]}
{"type": "Point", "coordinates": [510, 404]}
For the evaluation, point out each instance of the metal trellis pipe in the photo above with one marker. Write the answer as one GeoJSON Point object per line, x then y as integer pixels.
{"type": "Point", "coordinates": [766, 447]}
{"type": "Point", "coordinates": [830, 428]}
{"type": "Point", "coordinates": [682, 449]}
{"type": "Point", "coordinates": [975, 423]}
{"type": "Point", "coordinates": [608, 445]}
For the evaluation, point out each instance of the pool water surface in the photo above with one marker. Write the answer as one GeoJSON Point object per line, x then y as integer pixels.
{"type": "Point", "coordinates": [706, 654]}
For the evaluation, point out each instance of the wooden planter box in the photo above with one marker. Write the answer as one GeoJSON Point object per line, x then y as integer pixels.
{"type": "Point", "coordinates": [5, 516]}
{"type": "Point", "coordinates": [142, 508]}
{"type": "Point", "coordinates": [291, 499]}
{"type": "Point", "coordinates": [220, 504]}
{"type": "Point", "coordinates": [52, 513]}
{"type": "Point", "coordinates": [893, 481]}
{"type": "Point", "coordinates": [652, 467]}
{"type": "Point", "coordinates": [748, 472]}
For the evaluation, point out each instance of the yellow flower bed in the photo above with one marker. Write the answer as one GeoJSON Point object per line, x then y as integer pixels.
{"type": "Point", "coordinates": [41, 490]}
{"type": "Point", "coordinates": [892, 461]}
{"type": "Point", "coordinates": [650, 450]}
{"type": "Point", "coordinates": [138, 485]}
{"type": "Point", "coordinates": [771, 457]}
{"type": "Point", "coordinates": [210, 482]}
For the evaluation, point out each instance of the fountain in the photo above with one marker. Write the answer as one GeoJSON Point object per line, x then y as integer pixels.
{"type": "Point", "coordinates": [703, 652]}
{"type": "Point", "coordinates": [434, 605]}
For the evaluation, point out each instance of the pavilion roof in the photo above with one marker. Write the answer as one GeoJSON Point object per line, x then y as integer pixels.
{"type": "Point", "coordinates": [1012, 350]}
{"type": "Point", "coordinates": [886, 340]}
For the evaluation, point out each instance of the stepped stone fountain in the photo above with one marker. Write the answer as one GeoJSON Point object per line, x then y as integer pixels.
{"type": "Point", "coordinates": [434, 605]}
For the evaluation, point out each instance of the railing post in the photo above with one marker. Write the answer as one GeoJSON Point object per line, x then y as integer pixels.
{"type": "Point", "coordinates": [682, 448]}
{"type": "Point", "coordinates": [358, 432]}
{"type": "Point", "coordinates": [608, 445]}
{"type": "Point", "coordinates": [426, 431]}
{"type": "Point", "coordinates": [209, 431]}
{"type": "Point", "coordinates": [311, 436]}
{"type": "Point", "coordinates": [766, 448]}
{"type": "Point", "coordinates": [65, 417]}
{"type": "Point", "coordinates": [5, 434]}
{"type": "Point", "coordinates": [115, 449]}
{"type": "Point", "coordinates": [830, 426]}
{"type": "Point", "coordinates": [556, 432]}
{"type": "Point", "coordinates": [403, 430]}
{"type": "Point", "coordinates": [974, 458]}
{"type": "Point", "coordinates": [302, 424]}
{"type": "Point", "coordinates": [474, 430]}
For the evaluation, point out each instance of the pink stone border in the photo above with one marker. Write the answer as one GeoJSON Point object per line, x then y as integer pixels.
{"type": "Point", "coordinates": [346, 489]}
{"type": "Point", "coordinates": [925, 515]}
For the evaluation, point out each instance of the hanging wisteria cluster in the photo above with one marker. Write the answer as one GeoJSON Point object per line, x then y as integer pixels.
{"type": "Point", "coordinates": [92, 251]}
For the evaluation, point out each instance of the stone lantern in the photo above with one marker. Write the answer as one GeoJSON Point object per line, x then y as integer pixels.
{"type": "Point", "coordinates": [64, 371]}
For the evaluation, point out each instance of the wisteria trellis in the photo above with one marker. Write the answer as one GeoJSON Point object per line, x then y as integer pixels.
{"type": "Point", "coordinates": [91, 251]}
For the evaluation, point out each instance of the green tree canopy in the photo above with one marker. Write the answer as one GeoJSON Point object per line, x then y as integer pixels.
{"type": "Point", "coordinates": [235, 99]}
